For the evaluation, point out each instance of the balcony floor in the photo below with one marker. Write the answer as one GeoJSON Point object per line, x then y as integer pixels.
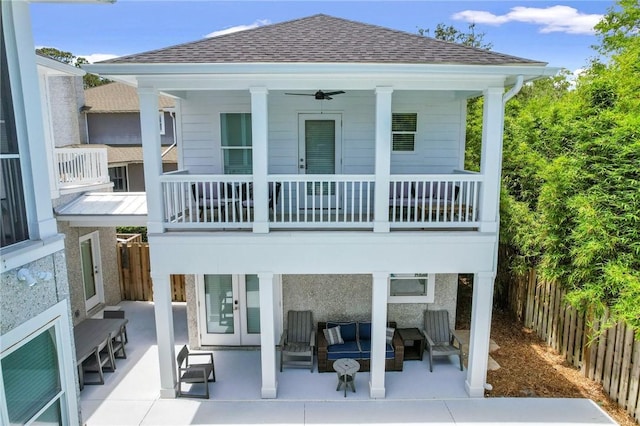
{"type": "Point", "coordinates": [130, 395]}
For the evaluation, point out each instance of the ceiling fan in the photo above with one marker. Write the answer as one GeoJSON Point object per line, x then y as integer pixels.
{"type": "Point", "coordinates": [319, 95]}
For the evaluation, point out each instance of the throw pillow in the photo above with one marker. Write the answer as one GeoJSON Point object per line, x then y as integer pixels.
{"type": "Point", "coordinates": [390, 332]}
{"type": "Point", "coordinates": [333, 336]}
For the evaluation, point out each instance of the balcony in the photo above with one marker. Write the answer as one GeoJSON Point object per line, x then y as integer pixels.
{"type": "Point", "coordinates": [80, 167]}
{"type": "Point", "coordinates": [321, 202]}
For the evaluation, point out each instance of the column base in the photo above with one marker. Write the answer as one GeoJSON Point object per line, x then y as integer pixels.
{"type": "Point", "coordinates": [168, 393]}
{"type": "Point", "coordinates": [261, 227]}
{"type": "Point", "coordinates": [269, 393]}
{"type": "Point", "coordinates": [376, 393]}
{"type": "Point", "coordinates": [381, 226]}
{"type": "Point", "coordinates": [475, 391]}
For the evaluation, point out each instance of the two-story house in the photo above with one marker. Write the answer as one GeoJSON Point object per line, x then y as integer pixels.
{"type": "Point", "coordinates": [321, 167]}
{"type": "Point", "coordinates": [38, 382]}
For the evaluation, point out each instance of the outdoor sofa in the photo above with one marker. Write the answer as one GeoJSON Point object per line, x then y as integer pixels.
{"type": "Point", "coordinates": [357, 345]}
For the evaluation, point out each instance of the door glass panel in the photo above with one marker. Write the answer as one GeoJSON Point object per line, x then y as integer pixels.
{"type": "Point", "coordinates": [218, 296]}
{"type": "Point", "coordinates": [50, 416]}
{"type": "Point", "coordinates": [87, 269]}
{"type": "Point", "coordinates": [320, 149]}
{"type": "Point", "coordinates": [253, 304]}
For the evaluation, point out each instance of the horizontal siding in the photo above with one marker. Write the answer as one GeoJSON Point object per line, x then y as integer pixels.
{"type": "Point", "coordinates": [438, 138]}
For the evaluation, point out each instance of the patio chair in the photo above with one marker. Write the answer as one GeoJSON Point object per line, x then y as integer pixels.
{"type": "Point", "coordinates": [298, 340]}
{"type": "Point", "coordinates": [213, 197]}
{"type": "Point", "coordinates": [102, 358]}
{"type": "Point", "coordinates": [118, 315]}
{"type": "Point", "coordinates": [194, 368]}
{"type": "Point", "coordinates": [401, 199]}
{"type": "Point", "coordinates": [246, 196]}
{"type": "Point", "coordinates": [440, 338]}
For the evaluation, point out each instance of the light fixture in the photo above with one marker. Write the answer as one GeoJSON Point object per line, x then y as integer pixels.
{"type": "Point", "coordinates": [25, 275]}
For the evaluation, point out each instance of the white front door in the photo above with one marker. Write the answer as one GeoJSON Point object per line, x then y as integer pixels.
{"type": "Point", "coordinates": [320, 153]}
{"type": "Point", "coordinates": [229, 310]}
{"type": "Point", "coordinates": [91, 269]}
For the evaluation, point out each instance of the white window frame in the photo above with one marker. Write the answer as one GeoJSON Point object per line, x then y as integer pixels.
{"type": "Point", "coordinates": [57, 317]}
{"type": "Point", "coordinates": [126, 177]}
{"type": "Point", "coordinates": [404, 132]}
{"type": "Point", "coordinates": [429, 297]}
{"type": "Point", "coordinates": [223, 148]}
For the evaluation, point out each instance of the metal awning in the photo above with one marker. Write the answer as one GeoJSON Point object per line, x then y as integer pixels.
{"type": "Point", "coordinates": [97, 209]}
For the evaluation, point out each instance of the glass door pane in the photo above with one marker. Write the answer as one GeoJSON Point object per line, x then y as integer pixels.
{"type": "Point", "coordinates": [252, 304]}
{"type": "Point", "coordinates": [320, 149]}
{"type": "Point", "coordinates": [86, 251]}
{"type": "Point", "coordinates": [219, 303]}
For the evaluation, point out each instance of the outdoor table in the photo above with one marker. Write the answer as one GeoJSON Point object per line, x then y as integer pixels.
{"type": "Point", "coordinates": [89, 333]}
{"type": "Point", "coordinates": [346, 369]}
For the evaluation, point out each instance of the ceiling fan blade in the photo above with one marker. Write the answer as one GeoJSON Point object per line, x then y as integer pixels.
{"type": "Point", "coordinates": [339, 92]}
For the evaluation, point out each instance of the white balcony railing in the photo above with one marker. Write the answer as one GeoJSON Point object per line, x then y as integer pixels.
{"type": "Point", "coordinates": [81, 166]}
{"type": "Point", "coordinates": [320, 201]}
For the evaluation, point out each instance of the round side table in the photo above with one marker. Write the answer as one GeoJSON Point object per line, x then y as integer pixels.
{"type": "Point", "coordinates": [346, 369]}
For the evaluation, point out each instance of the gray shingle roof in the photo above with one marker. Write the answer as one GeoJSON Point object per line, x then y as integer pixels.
{"type": "Point", "coordinates": [323, 39]}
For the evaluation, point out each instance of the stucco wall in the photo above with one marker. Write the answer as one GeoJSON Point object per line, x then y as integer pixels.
{"type": "Point", "coordinates": [192, 310]}
{"type": "Point", "coordinates": [109, 267]}
{"type": "Point", "coordinates": [19, 302]}
{"type": "Point", "coordinates": [348, 297]}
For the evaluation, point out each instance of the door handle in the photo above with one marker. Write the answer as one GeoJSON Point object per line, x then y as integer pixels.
{"type": "Point", "coordinates": [235, 305]}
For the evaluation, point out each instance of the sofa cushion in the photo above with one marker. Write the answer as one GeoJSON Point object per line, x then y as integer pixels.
{"type": "Point", "coordinates": [364, 330]}
{"type": "Point", "coordinates": [345, 350]}
{"type": "Point", "coordinates": [347, 330]}
{"type": "Point", "coordinates": [333, 335]}
{"type": "Point", "coordinates": [365, 347]}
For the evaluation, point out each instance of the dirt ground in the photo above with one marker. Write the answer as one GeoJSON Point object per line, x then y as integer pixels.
{"type": "Point", "coordinates": [529, 367]}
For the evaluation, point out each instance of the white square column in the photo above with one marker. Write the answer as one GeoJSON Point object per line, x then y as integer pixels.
{"type": "Point", "coordinates": [260, 158]}
{"type": "Point", "coordinates": [378, 333]}
{"type": "Point", "coordinates": [384, 97]}
{"type": "Point", "coordinates": [480, 333]}
{"type": "Point", "coordinates": [164, 333]}
{"type": "Point", "coordinates": [150, 133]}
{"type": "Point", "coordinates": [491, 158]}
{"type": "Point", "coordinates": [267, 335]}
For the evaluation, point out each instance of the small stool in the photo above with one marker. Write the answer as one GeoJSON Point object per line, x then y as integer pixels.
{"type": "Point", "coordinates": [346, 369]}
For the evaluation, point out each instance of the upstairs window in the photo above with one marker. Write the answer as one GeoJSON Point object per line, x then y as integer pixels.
{"type": "Point", "coordinates": [403, 131]}
{"type": "Point", "coordinates": [235, 139]}
{"type": "Point", "coordinates": [13, 228]}
{"type": "Point", "coordinates": [118, 175]}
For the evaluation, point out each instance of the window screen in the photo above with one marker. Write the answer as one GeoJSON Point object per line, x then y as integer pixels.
{"type": "Point", "coordinates": [235, 131]}
{"type": "Point", "coordinates": [403, 128]}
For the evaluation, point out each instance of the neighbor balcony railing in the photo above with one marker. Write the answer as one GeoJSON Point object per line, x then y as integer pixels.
{"type": "Point", "coordinates": [81, 166]}
{"type": "Point", "coordinates": [320, 201]}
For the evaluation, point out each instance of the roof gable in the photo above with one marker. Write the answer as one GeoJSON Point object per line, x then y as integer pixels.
{"type": "Point", "coordinates": [323, 39]}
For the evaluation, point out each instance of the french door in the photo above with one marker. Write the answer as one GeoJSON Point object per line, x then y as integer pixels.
{"type": "Point", "coordinates": [320, 153]}
{"type": "Point", "coordinates": [229, 310]}
{"type": "Point", "coordinates": [91, 270]}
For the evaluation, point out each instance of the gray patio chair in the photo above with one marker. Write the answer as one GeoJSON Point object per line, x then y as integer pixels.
{"type": "Point", "coordinates": [440, 338]}
{"type": "Point", "coordinates": [118, 315]}
{"type": "Point", "coordinates": [102, 359]}
{"type": "Point", "coordinates": [195, 367]}
{"type": "Point", "coordinates": [298, 340]}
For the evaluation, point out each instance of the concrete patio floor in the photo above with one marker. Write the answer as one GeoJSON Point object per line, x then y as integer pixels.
{"type": "Point", "coordinates": [130, 395]}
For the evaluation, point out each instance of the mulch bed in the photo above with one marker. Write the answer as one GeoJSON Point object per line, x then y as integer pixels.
{"type": "Point", "coordinates": [530, 368]}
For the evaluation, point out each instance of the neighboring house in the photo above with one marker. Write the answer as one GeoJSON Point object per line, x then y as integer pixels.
{"type": "Point", "coordinates": [112, 118]}
{"type": "Point", "coordinates": [321, 167]}
{"type": "Point", "coordinates": [38, 379]}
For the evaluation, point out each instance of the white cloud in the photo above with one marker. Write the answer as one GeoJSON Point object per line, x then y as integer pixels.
{"type": "Point", "coordinates": [256, 24]}
{"type": "Point", "coordinates": [97, 57]}
{"type": "Point", "coordinates": [551, 19]}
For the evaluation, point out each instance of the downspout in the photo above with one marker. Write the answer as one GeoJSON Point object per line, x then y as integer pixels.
{"type": "Point", "coordinates": [514, 90]}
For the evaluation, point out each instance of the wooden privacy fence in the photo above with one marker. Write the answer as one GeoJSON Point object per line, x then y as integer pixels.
{"type": "Point", "coordinates": [135, 278]}
{"type": "Point", "coordinates": [611, 358]}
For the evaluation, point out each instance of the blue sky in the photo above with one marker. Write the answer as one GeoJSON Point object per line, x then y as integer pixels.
{"type": "Point", "coordinates": [558, 32]}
